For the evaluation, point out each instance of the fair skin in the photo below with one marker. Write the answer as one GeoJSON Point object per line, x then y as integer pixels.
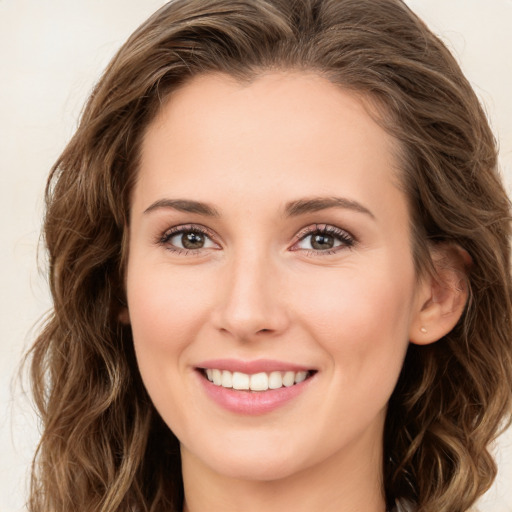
{"type": "Point", "coordinates": [239, 255]}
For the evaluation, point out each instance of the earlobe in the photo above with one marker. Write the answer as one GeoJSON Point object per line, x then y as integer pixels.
{"type": "Point", "coordinates": [442, 296]}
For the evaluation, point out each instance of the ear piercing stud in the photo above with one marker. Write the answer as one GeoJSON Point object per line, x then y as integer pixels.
{"type": "Point", "coordinates": [423, 330]}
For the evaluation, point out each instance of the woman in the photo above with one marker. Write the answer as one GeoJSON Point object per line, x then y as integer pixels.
{"type": "Point", "coordinates": [279, 260]}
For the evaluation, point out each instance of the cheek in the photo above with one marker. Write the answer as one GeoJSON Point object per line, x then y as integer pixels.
{"type": "Point", "coordinates": [166, 309]}
{"type": "Point", "coordinates": [166, 313]}
{"type": "Point", "coordinates": [361, 317]}
{"type": "Point", "coordinates": [361, 323]}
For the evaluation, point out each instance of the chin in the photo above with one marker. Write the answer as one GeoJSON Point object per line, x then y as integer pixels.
{"type": "Point", "coordinates": [253, 461]}
{"type": "Point", "coordinates": [257, 469]}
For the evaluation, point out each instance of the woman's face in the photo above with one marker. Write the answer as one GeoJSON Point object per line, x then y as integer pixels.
{"type": "Point", "coordinates": [270, 244]}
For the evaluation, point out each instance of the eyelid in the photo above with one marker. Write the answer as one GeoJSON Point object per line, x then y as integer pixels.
{"type": "Point", "coordinates": [349, 240]}
{"type": "Point", "coordinates": [164, 237]}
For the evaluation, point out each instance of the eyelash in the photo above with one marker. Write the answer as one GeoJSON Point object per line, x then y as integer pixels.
{"type": "Point", "coordinates": [347, 240]}
{"type": "Point", "coordinates": [164, 239]}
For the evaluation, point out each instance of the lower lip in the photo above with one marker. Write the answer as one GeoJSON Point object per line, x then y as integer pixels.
{"type": "Point", "coordinates": [252, 403]}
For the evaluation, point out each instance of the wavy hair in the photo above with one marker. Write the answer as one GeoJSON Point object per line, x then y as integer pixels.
{"type": "Point", "coordinates": [104, 446]}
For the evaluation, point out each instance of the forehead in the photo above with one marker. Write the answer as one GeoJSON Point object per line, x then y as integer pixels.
{"type": "Point", "coordinates": [305, 100]}
{"type": "Point", "coordinates": [287, 131]}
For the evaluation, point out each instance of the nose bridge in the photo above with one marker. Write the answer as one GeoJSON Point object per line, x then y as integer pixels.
{"type": "Point", "coordinates": [250, 301]}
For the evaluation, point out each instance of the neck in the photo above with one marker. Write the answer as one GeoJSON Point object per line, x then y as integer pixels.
{"type": "Point", "coordinates": [343, 483]}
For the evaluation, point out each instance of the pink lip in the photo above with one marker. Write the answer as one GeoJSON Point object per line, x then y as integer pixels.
{"type": "Point", "coordinates": [251, 367]}
{"type": "Point", "coordinates": [251, 402]}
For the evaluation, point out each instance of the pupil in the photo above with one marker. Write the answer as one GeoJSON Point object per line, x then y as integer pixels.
{"type": "Point", "coordinates": [192, 240]}
{"type": "Point", "coordinates": [322, 242]}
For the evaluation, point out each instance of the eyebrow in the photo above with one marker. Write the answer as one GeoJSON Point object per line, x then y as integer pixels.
{"type": "Point", "coordinates": [315, 204]}
{"type": "Point", "coordinates": [184, 205]}
{"type": "Point", "coordinates": [292, 209]}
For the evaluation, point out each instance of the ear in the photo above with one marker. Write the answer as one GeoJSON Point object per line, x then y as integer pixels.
{"type": "Point", "coordinates": [442, 296]}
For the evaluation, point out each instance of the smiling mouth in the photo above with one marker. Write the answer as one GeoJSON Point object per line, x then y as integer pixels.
{"type": "Point", "coordinates": [262, 381]}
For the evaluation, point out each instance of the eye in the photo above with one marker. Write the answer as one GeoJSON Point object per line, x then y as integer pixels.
{"type": "Point", "coordinates": [187, 238]}
{"type": "Point", "coordinates": [322, 238]}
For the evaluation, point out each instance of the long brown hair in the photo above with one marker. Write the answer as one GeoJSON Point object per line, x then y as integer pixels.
{"type": "Point", "coordinates": [103, 446]}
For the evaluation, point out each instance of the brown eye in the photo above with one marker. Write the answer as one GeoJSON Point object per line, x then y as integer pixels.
{"type": "Point", "coordinates": [192, 240]}
{"type": "Point", "coordinates": [187, 239]}
{"type": "Point", "coordinates": [322, 242]}
{"type": "Point", "coordinates": [327, 239]}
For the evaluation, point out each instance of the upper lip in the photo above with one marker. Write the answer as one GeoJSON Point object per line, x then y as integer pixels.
{"type": "Point", "coordinates": [252, 367]}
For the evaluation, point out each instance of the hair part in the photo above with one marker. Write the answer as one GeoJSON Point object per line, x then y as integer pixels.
{"type": "Point", "coordinates": [104, 446]}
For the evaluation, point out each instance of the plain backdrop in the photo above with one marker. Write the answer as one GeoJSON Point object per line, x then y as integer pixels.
{"type": "Point", "coordinates": [51, 53]}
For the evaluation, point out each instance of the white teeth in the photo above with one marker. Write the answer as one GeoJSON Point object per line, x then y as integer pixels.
{"type": "Point", "coordinates": [255, 382]}
{"type": "Point", "coordinates": [275, 380]}
{"type": "Point", "coordinates": [300, 376]}
{"type": "Point", "coordinates": [217, 377]}
{"type": "Point", "coordinates": [259, 382]}
{"type": "Point", "coordinates": [289, 379]}
{"type": "Point", "coordinates": [240, 380]}
{"type": "Point", "coordinates": [227, 379]}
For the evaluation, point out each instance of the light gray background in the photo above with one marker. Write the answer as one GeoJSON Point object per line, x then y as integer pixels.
{"type": "Point", "coordinates": [51, 52]}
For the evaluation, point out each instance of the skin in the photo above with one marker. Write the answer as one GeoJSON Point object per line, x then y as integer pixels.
{"type": "Point", "coordinates": [257, 289]}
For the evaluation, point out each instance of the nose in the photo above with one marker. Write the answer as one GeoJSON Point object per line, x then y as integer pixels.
{"type": "Point", "coordinates": [252, 301]}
